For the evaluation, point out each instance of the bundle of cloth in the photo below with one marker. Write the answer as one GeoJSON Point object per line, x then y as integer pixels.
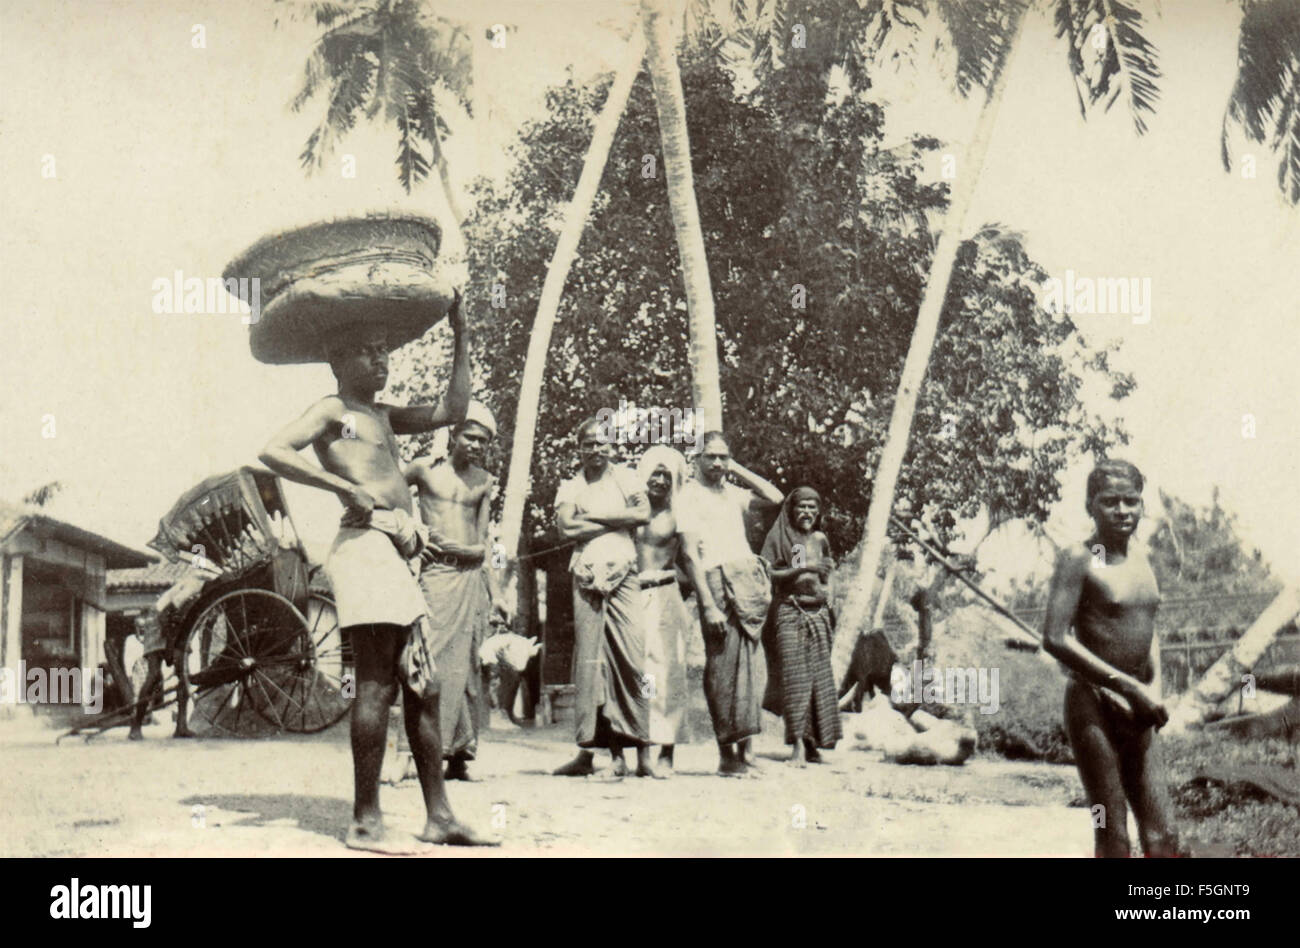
{"type": "Point", "coordinates": [920, 739]}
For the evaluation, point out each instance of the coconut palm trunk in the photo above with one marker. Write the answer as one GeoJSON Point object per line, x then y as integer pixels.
{"type": "Point", "coordinates": [662, 19]}
{"type": "Point", "coordinates": [1225, 675]}
{"type": "Point", "coordinates": [918, 357]}
{"type": "Point", "coordinates": [557, 272]}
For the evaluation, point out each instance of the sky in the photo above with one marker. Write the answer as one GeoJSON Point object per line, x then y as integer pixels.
{"type": "Point", "coordinates": [167, 156]}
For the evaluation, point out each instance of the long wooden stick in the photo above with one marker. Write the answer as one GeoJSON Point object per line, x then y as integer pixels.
{"type": "Point", "coordinates": [942, 559]}
{"type": "Point", "coordinates": [883, 486]}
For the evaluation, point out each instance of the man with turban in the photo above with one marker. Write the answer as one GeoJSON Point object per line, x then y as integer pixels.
{"type": "Point", "coordinates": [667, 622]}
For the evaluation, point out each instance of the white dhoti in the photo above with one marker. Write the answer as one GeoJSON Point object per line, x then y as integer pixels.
{"type": "Point", "coordinates": [667, 624]}
{"type": "Point", "coordinates": [371, 581]}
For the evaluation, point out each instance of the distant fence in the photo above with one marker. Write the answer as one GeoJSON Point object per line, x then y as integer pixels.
{"type": "Point", "coordinates": [1195, 631]}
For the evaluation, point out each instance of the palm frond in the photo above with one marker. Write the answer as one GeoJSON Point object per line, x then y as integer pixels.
{"type": "Point", "coordinates": [1109, 55]}
{"type": "Point", "coordinates": [385, 57]}
{"type": "Point", "coordinates": [323, 13]}
{"type": "Point", "coordinates": [1265, 99]}
{"type": "Point", "coordinates": [412, 165]}
{"type": "Point", "coordinates": [347, 100]}
{"type": "Point", "coordinates": [333, 56]}
{"type": "Point", "coordinates": [980, 34]}
{"type": "Point", "coordinates": [894, 32]}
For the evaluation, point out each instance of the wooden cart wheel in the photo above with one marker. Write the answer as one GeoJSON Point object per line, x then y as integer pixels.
{"type": "Point", "coordinates": [316, 688]}
{"type": "Point", "coordinates": [233, 660]}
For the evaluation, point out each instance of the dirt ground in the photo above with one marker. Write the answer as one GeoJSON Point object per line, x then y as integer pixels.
{"type": "Point", "coordinates": [291, 796]}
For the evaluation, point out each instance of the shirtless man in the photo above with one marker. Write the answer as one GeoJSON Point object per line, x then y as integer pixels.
{"type": "Point", "coordinates": [378, 599]}
{"type": "Point", "coordinates": [1105, 591]}
{"type": "Point", "coordinates": [667, 622]}
{"type": "Point", "coordinates": [733, 591]}
{"type": "Point", "coordinates": [455, 498]}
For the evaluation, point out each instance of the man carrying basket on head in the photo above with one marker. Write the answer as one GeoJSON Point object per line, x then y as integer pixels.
{"type": "Point", "coordinates": [380, 605]}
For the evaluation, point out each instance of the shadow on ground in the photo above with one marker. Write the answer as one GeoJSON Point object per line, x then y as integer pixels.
{"type": "Point", "coordinates": [324, 816]}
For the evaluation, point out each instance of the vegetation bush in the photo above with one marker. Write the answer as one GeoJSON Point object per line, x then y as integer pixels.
{"type": "Point", "coordinates": [1215, 820]}
{"type": "Point", "coordinates": [1028, 723]}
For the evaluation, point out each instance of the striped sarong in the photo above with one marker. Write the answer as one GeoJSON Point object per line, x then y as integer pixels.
{"type": "Point", "coordinates": [807, 682]}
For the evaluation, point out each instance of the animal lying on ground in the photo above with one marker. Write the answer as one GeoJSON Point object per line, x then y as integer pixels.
{"type": "Point", "coordinates": [925, 739]}
{"type": "Point", "coordinates": [869, 669]}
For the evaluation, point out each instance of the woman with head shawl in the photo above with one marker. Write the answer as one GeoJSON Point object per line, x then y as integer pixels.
{"type": "Point", "coordinates": [667, 621]}
{"type": "Point", "coordinates": [801, 684]}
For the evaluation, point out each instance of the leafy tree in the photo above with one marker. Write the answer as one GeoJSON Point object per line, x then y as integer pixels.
{"type": "Point", "coordinates": [817, 263]}
{"type": "Point", "coordinates": [1206, 556]}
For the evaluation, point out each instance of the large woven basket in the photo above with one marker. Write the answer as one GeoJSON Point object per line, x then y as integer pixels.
{"type": "Point", "coordinates": [336, 278]}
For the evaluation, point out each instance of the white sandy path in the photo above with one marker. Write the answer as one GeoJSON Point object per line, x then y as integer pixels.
{"type": "Point", "coordinates": [288, 796]}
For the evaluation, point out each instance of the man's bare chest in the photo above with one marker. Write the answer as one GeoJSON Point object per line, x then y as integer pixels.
{"type": "Point", "coordinates": [1130, 584]}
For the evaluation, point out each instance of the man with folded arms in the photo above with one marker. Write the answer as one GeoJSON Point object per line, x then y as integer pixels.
{"type": "Point", "coordinates": [600, 508]}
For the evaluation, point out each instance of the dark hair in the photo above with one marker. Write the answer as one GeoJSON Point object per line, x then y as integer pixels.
{"type": "Point", "coordinates": [1111, 467]}
{"type": "Point", "coordinates": [708, 436]}
{"type": "Point", "coordinates": [342, 345]}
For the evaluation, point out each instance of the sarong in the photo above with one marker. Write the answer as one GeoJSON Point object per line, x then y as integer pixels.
{"type": "Point", "coordinates": [806, 683]}
{"type": "Point", "coordinates": [667, 623]}
{"type": "Point", "coordinates": [743, 593]}
{"type": "Point", "coordinates": [458, 605]}
{"type": "Point", "coordinates": [612, 701]}
{"type": "Point", "coordinates": [371, 580]}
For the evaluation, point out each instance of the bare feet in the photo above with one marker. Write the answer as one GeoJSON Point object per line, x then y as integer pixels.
{"type": "Point", "coordinates": [731, 768]}
{"type": "Point", "coordinates": [795, 759]}
{"type": "Point", "coordinates": [618, 768]}
{"type": "Point", "coordinates": [370, 836]}
{"type": "Point", "coordinates": [643, 766]}
{"type": "Point", "coordinates": [580, 766]}
{"type": "Point", "coordinates": [458, 769]}
{"type": "Point", "coordinates": [451, 833]}
{"type": "Point", "coordinates": [666, 759]}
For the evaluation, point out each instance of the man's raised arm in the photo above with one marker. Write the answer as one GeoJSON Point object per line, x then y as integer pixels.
{"type": "Point", "coordinates": [765, 492]}
{"type": "Point", "coordinates": [413, 419]}
{"type": "Point", "coordinates": [281, 455]}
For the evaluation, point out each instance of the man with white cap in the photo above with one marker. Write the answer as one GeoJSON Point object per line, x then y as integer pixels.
{"type": "Point", "coordinates": [459, 585]}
